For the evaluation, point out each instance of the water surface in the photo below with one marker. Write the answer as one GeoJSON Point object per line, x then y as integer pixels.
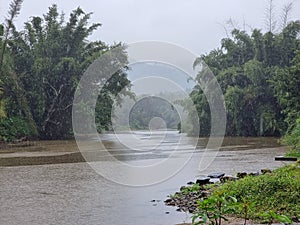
{"type": "Point", "coordinates": [73, 193]}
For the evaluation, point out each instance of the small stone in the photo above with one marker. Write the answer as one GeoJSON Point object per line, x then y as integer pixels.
{"type": "Point", "coordinates": [190, 183]}
{"type": "Point", "coordinates": [241, 175]}
{"type": "Point", "coordinates": [191, 210]}
{"type": "Point", "coordinates": [228, 178]}
{"type": "Point", "coordinates": [152, 201]}
{"type": "Point", "coordinates": [202, 180]}
{"type": "Point", "coordinates": [168, 200]}
{"type": "Point", "coordinates": [214, 180]}
{"type": "Point", "coordinates": [216, 175]}
{"type": "Point", "coordinates": [265, 171]}
{"type": "Point", "coordinates": [167, 212]}
{"type": "Point", "coordinates": [205, 193]}
{"type": "Point", "coordinates": [253, 174]}
{"type": "Point", "coordinates": [182, 188]}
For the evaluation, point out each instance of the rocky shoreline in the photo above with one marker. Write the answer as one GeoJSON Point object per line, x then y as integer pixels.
{"type": "Point", "coordinates": [186, 199]}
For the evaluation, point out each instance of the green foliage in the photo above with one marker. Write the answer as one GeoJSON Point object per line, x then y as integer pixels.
{"type": "Point", "coordinates": [293, 139]}
{"type": "Point", "coordinates": [286, 86]}
{"type": "Point", "coordinates": [278, 192]}
{"type": "Point", "coordinates": [13, 103]}
{"type": "Point", "coordinates": [13, 128]}
{"type": "Point", "coordinates": [50, 56]}
{"type": "Point", "coordinates": [259, 77]}
{"type": "Point", "coordinates": [2, 105]}
{"type": "Point", "coordinates": [189, 189]}
{"type": "Point", "coordinates": [214, 209]}
{"type": "Point", "coordinates": [270, 217]}
{"type": "Point", "coordinates": [243, 208]}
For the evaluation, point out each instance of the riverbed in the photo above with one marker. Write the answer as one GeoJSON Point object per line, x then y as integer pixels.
{"type": "Point", "coordinates": [49, 190]}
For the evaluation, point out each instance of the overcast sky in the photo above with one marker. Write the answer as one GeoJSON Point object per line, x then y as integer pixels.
{"type": "Point", "coordinates": [194, 24]}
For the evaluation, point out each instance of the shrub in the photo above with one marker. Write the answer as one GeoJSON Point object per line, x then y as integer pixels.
{"type": "Point", "coordinates": [293, 139]}
{"type": "Point", "coordinates": [278, 192]}
{"type": "Point", "coordinates": [12, 128]}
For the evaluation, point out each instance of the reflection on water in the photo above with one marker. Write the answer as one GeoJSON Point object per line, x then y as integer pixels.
{"type": "Point", "coordinates": [72, 193]}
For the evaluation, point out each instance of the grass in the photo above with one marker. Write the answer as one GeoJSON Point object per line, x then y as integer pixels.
{"type": "Point", "coordinates": [294, 152]}
{"type": "Point", "coordinates": [293, 140]}
{"type": "Point", "coordinates": [267, 198]}
{"type": "Point", "coordinates": [277, 192]}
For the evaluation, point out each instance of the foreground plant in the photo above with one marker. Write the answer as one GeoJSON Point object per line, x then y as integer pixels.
{"type": "Point", "coordinates": [270, 217]}
{"type": "Point", "coordinates": [244, 207]}
{"type": "Point", "coordinates": [214, 209]}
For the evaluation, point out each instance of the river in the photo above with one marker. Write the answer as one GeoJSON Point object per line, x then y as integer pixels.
{"type": "Point", "coordinates": [74, 193]}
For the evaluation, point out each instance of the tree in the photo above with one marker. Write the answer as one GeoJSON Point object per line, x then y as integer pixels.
{"type": "Point", "coordinates": [258, 76]}
{"type": "Point", "coordinates": [286, 84]}
{"type": "Point", "coordinates": [13, 103]}
{"type": "Point", "coordinates": [50, 57]}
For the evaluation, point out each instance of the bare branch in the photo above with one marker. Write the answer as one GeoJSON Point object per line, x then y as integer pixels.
{"type": "Point", "coordinates": [225, 29]}
{"type": "Point", "coordinates": [285, 17]}
{"type": "Point", "coordinates": [233, 24]}
{"type": "Point", "coordinates": [270, 16]}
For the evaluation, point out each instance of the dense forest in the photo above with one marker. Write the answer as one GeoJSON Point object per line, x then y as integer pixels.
{"type": "Point", "coordinates": [259, 74]}
{"type": "Point", "coordinates": [41, 65]}
{"type": "Point", "coordinates": [40, 68]}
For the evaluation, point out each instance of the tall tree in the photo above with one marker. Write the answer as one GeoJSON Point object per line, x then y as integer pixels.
{"type": "Point", "coordinates": [51, 56]}
{"type": "Point", "coordinates": [11, 87]}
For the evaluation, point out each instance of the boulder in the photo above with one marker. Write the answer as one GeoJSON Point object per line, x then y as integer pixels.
{"type": "Point", "coordinates": [253, 174]}
{"type": "Point", "coordinates": [216, 175]}
{"type": "Point", "coordinates": [228, 178]}
{"type": "Point", "coordinates": [203, 180]}
{"type": "Point", "coordinates": [241, 175]}
{"type": "Point", "coordinates": [265, 171]}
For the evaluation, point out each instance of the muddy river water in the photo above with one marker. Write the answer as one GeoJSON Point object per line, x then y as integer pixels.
{"type": "Point", "coordinates": [49, 183]}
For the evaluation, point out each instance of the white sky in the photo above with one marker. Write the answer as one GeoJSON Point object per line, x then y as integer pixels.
{"type": "Point", "coordinates": [193, 24]}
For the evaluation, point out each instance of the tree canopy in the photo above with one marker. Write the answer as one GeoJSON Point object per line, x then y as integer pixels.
{"type": "Point", "coordinates": [42, 66]}
{"type": "Point", "coordinates": [259, 76]}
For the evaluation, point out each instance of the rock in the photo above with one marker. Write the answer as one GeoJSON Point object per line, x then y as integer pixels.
{"type": "Point", "coordinates": [182, 188]}
{"type": "Point", "coordinates": [228, 178]}
{"type": "Point", "coordinates": [170, 202]}
{"type": "Point", "coordinates": [216, 175]}
{"type": "Point", "coordinates": [191, 210]}
{"type": "Point", "coordinates": [190, 183]}
{"type": "Point", "coordinates": [284, 158]}
{"type": "Point", "coordinates": [167, 212]}
{"type": "Point", "coordinates": [214, 180]}
{"type": "Point", "coordinates": [205, 193]}
{"type": "Point", "coordinates": [253, 174]}
{"type": "Point", "coordinates": [152, 201]}
{"type": "Point", "coordinates": [241, 175]}
{"type": "Point", "coordinates": [265, 171]}
{"type": "Point", "coordinates": [203, 180]}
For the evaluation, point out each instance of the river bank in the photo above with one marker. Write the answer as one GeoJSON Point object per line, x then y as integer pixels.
{"type": "Point", "coordinates": [72, 193]}
{"type": "Point", "coordinates": [263, 194]}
